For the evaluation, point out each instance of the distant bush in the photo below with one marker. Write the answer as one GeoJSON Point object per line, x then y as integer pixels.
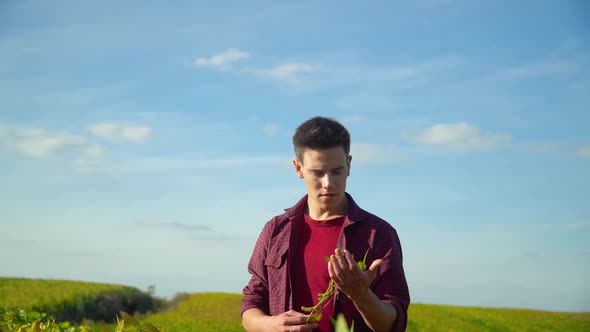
{"type": "Point", "coordinates": [105, 306]}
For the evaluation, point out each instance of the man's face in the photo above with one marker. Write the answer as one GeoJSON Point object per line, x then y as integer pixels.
{"type": "Point", "coordinates": [325, 173]}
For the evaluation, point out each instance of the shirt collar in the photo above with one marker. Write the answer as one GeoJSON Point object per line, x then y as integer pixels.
{"type": "Point", "coordinates": [355, 213]}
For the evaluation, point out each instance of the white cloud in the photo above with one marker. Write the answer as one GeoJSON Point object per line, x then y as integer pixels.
{"type": "Point", "coordinates": [539, 69]}
{"type": "Point", "coordinates": [289, 72]}
{"type": "Point", "coordinates": [271, 129]}
{"type": "Point", "coordinates": [175, 225]}
{"type": "Point", "coordinates": [3, 130]}
{"type": "Point", "coordinates": [92, 159]}
{"type": "Point", "coordinates": [367, 153]}
{"type": "Point", "coordinates": [546, 147]}
{"type": "Point", "coordinates": [374, 84]}
{"type": "Point", "coordinates": [118, 133]}
{"type": "Point", "coordinates": [584, 151]}
{"type": "Point", "coordinates": [222, 60]}
{"type": "Point", "coordinates": [196, 163]}
{"type": "Point", "coordinates": [460, 137]}
{"type": "Point", "coordinates": [85, 166]}
{"type": "Point", "coordinates": [83, 156]}
{"type": "Point", "coordinates": [39, 143]}
{"type": "Point", "coordinates": [95, 151]}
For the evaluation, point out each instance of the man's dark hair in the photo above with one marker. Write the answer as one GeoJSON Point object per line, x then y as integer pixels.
{"type": "Point", "coordinates": [319, 133]}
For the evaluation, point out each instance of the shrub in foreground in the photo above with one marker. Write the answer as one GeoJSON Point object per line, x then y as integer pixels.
{"type": "Point", "coordinates": [19, 320]}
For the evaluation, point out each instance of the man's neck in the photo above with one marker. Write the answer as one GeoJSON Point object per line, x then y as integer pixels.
{"type": "Point", "coordinates": [317, 213]}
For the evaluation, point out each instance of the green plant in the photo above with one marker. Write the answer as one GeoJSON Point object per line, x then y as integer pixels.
{"type": "Point", "coordinates": [340, 324]}
{"type": "Point", "coordinates": [75, 301]}
{"type": "Point", "coordinates": [20, 320]}
{"type": "Point", "coordinates": [129, 323]}
{"type": "Point", "coordinates": [315, 312]}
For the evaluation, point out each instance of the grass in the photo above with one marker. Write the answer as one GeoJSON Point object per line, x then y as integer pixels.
{"type": "Point", "coordinates": [220, 311]}
{"type": "Point", "coordinates": [36, 293]}
{"type": "Point", "coordinates": [424, 317]}
{"type": "Point", "coordinates": [202, 312]}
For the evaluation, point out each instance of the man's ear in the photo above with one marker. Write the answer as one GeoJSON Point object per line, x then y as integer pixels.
{"type": "Point", "coordinates": [348, 161]}
{"type": "Point", "coordinates": [297, 166]}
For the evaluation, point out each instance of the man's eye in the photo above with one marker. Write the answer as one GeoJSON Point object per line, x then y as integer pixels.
{"type": "Point", "coordinates": [337, 172]}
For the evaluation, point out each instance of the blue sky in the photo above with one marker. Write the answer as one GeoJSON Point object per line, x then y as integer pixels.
{"type": "Point", "coordinates": [148, 143]}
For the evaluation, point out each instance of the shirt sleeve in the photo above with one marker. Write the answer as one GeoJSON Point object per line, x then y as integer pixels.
{"type": "Point", "coordinates": [256, 292]}
{"type": "Point", "coordinates": [390, 285]}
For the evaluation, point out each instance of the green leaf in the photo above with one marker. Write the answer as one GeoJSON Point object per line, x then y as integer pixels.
{"type": "Point", "coordinates": [33, 315]}
{"type": "Point", "coordinates": [103, 327]}
{"type": "Point", "coordinates": [340, 324]}
{"type": "Point", "coordinates": [149, 328]}
{"type": "Point", "coordinates": [128, 319]}
{"type": "Point", "coordinates": [317, 316]}
{"type": "Point", "coordinates": [327, 259]}
{"type": "Point", "coordinates": [307, 309]}
{"type": "Point", "coordinates": [363, 264]}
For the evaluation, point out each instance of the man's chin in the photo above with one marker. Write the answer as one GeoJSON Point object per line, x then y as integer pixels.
{"type": "Point", "coordinates": [330, 201]}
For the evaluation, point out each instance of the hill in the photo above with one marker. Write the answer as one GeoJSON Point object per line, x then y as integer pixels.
{"type": "Point", "coordinates": [36, 293]}
{"type": "Point", "coordinates": [219, 312]}
{"type": "Point", "coordinates": [75, 300]}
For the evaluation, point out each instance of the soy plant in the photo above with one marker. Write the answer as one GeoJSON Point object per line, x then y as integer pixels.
{"type": "Point", "coordinates": [340, 324]}
{"type": "Point", "coordinates": [315, 312]}
{"type": "Point", "coordinates": [20, 320]}
{"type": "Point", "coordinates": [128, 323]}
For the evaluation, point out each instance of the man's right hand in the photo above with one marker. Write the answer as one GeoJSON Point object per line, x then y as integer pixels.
{"type": "Point", "coordinates": [290, 321]}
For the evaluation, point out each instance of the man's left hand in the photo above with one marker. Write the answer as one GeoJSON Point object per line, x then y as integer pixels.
{"type": "Point", "coordinates": [348, 277]}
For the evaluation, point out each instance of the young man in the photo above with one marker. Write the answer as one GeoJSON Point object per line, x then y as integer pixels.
{"type": "Point", "coordinates": [289, 267]}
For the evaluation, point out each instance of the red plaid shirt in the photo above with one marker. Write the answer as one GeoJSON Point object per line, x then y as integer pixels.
{"type": "Point", "coordinates": [269, 288]}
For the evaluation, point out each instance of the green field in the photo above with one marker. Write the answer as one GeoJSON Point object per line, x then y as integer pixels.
{"type": "Point", "coordinates": [202, 312]}
{"type": "Point", "coordinates": [74, 301]}
{"type": "Point", "coordinates": [36, 293]}
{"type": "Point", "coordinates": [424, 317]}
{"type": "Point", "coordinates": [220, 311]}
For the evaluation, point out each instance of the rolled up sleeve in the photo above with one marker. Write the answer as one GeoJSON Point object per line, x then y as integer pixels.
{"type": "Point", "coordinates": [256, 292]}
{"type": "Point", "coordinates": [391, 285]}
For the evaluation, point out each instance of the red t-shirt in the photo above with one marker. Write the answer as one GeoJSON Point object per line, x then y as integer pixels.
{"type": "Point", "coordinates": [315, 241]}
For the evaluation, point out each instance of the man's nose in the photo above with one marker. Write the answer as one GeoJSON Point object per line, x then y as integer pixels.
{"type": "Point", "coordinates": [326, 181]}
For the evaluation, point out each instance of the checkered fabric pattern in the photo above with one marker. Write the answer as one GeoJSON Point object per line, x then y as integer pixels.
{"type": "Point", "coordinates": [269, 288]}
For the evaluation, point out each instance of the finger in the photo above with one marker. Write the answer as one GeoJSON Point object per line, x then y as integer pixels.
{"type": "Point", "coordinates": [303, 328]}
{"type": "Point", "coordinates": [294, 313]}
{"type": "Point", "coordinates": [350, 260]}
{"type": "Point", "coordinates": [333, 274]}
{"type": "Point", "coordinates": [375, 265]}
{"type": "Point", "coordinates": [310, 327]}
{"type": "Point", "coordinates": [340, 256]}
{"type": "Point", "coordinates": [372, 271]}
{"type": "Point", "coordinates": [296, 320]}
{"type": "Point", "coordinates": [336, 265]}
